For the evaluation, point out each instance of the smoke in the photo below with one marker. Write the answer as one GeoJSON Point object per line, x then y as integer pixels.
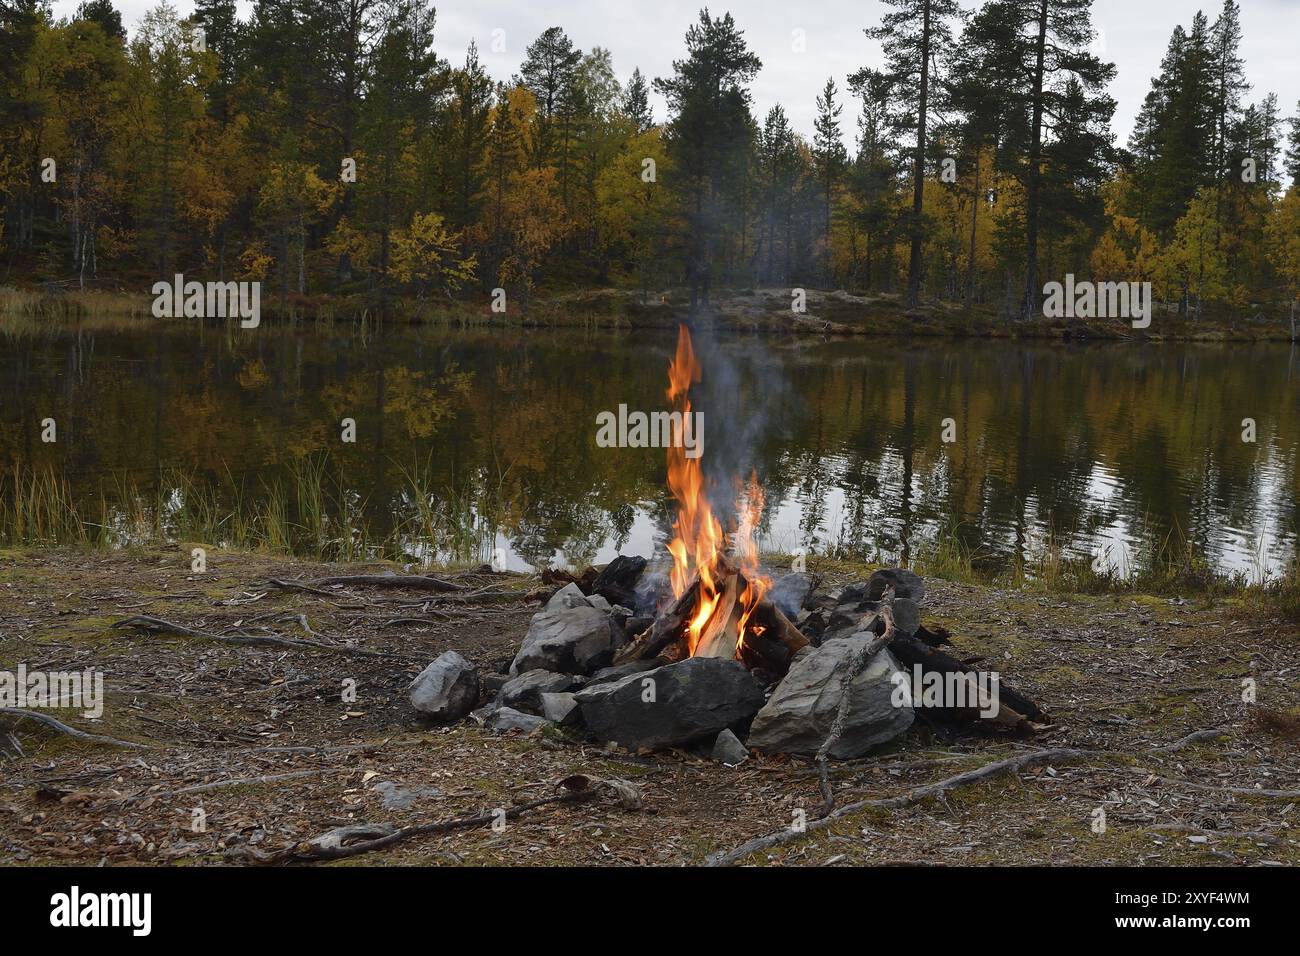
{"type": "Point", "coordinates": [741, 394]}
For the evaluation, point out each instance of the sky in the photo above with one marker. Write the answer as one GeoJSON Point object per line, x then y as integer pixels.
{"type": "Point", "coordinates": [649, 34]}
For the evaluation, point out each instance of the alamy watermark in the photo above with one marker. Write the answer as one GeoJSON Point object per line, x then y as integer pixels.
{"type": "Point", "coordinates": [208, 300]}
{"type": "Point", "coordinates": [626, 429]}
{"type": "Point", "coordinates": [1098, 300]}
{"type": "Point", "coordinates": [977, 690]}
{"type": "Point", "coordinates": [26, 689]}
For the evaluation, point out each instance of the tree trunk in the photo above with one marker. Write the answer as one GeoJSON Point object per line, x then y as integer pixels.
{"type": "Point", "coordinates": [918, 166]}
{"type": "Point", "coordinates": [1035, 172]}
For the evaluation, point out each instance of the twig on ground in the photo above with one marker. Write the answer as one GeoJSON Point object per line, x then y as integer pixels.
{"type": "Point", "coordinates": [158, 625]}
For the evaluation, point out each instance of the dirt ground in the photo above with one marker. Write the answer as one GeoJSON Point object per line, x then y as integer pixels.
{"type": "Point", "coordinates": [259, 744]}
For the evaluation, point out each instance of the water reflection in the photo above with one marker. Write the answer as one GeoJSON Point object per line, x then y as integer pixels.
{"type": "Point", "coordinates": [1104, 449]}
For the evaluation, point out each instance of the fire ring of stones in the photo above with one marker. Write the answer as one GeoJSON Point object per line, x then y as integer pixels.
{"type": "Point", "coordinates": [598, 661]}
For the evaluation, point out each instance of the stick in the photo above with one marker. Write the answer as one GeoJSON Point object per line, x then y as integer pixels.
{"type": "Point", "coordinates": [63, 728]}
{"type": "Point", "coordinates": [856, 666]}
{"type": "Point", "coordinates": [146, 623]}
{"type": "Point", "coordinates": [416, 582]}
{"type": "Point", "coordinates": [997, 768]}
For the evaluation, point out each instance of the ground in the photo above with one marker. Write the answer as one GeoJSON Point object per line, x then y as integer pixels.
{"type": "Point", "coordinates": [1120, 674]}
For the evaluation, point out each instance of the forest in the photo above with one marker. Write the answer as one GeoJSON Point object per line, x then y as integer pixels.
{"type": "Point", "coordinates": [322, 147]}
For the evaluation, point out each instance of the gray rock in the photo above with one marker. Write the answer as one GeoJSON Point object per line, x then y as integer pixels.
{"type": "Point", "coordinates": [569, 596]}
{"type": "Point", "coordinates": [447, 689]}
{"type": "Point", "coordinates": [492, 683]}
{"type": "Point", "coordinates": [599, 602]}
{"type": "Point", "coordinates": [788, 593]}
{"type": "Point", "coordinates": [906, 584]}
{"type": "Point", "coordinates": [524, 692]}
{"type": "Point", "coordinates": [798, 716]}
{"type": "Point", "coordinates": [561, 708]}
{"type": "Point", "coordinates": [693, 699]}
{"type": "Point", "coordinates": [607, 674]}
{"type": "Point", "coordinates": [728, 749]}
{"type": "Point", "coordinates": [568, 638]}
{"type": "Point", "coordinates": [907, 616]}
{"type": "Point", "coordinates": [507, 718]}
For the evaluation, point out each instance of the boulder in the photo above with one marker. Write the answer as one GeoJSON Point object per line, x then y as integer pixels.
{"type": "Point", "coordinates": [524, 692]}
{"type": "Point", "coordinates": [561, 708]}
{"type": "Point", "coordinates": [798, 716]}
{"type": "Point", "coordinates": [907, 584]}
{"type": "Point", "coordinates": [447, 689]}
{"type": "Point", "coordinates": [788, 593]}
{"type": "Point", "coordinates": [569, 636]}
{"type": "Point", "coordinates": [607, 674]}
{"type": "Point", "coordinates": [693, 699]}
{"type": "Point", "coordinates": [728, 749]}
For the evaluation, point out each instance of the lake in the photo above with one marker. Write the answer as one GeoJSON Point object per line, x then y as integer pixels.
{"type": "Point", "coordinates": [1100, 449]}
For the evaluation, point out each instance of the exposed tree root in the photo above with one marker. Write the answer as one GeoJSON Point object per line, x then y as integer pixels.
{"type": "Point", "coordinates": [63, 728]}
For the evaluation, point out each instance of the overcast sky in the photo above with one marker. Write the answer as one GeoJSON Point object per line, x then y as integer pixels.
{"type": "Point", "coordinates": [1133, 34]}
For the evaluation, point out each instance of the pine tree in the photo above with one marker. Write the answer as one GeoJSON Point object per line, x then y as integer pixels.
{"type": "Point", "coordinates": [1035, 54]}
{"type": "Point", "coordinates": [1292, 165]}
{"type": "Point", "coordinates": [636, 103]}
{"type": "Point", "coordinates": [829, 156]}
{"type": "Point", "coordinates": [914, 34]}
{"type": "Point", "coordinates": [1229, 81]}
{"type": "Point", "coordinates": [708, 134]}
{"type": "Point", "coordinates": [468, 121]}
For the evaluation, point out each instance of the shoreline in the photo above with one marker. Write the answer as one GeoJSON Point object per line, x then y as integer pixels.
{"type": "Point", "coordinates": [830, 313]}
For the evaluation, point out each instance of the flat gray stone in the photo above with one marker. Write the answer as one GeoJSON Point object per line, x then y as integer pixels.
{"type": "Point", "coordinates": [507, 718]}
{"type": "Point", "coordinates": [447, 689]}
{"type": "Point", "coordinates": [692, 699]}
{"type": "Point", "coordinates": [798, 716]}
{"type": "Point", "coordinates": [561, 708]}
{"type": "Point", "coordinates": [524, 691]}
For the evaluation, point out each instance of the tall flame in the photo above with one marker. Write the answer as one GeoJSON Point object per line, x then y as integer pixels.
{"type": "Point", "coordinates": [699, 546]}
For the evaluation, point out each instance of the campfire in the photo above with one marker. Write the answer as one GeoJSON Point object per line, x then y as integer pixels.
{"type": "Point", "coordinates": [720, 651]}
{"type": "Point", "coordinates": [719, 606]}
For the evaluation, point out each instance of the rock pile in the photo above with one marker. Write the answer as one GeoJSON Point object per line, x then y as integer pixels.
{"type": "Point", "coordinates": [561, 675]}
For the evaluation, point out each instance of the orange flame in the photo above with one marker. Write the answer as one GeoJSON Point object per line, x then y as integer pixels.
{"type": "Point", "coordinates": [699, 547]}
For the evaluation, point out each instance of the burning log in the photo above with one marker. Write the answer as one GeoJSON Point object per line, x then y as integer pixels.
{"type": "Point", "coordinates": [769, 639]}
{"type": "Point", "coordinates": [668, 628]}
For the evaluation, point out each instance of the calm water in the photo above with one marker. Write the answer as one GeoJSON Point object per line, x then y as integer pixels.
{"type": "Point", "coordinates": [1099, 446]}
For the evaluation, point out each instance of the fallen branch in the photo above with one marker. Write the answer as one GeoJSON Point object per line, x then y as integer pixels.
{"type": "Point", "coordinates": [238, 781]}
{"type": "Point", "coordinates": [986, 772]}
{"type": "Point", "coordinates": [63, 728]}
{"type": "Point", "coordinates": [157, 625]}
{"type": "Point", "coordinates": [414, 582]}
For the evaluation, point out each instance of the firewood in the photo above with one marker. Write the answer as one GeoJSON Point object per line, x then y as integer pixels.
{"type": "Point", "coordinates": [668, 627]}
{"type": "Point", "coordinates": [722, 633]}
{"type": "Point", "coordinates": [777, 626]}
